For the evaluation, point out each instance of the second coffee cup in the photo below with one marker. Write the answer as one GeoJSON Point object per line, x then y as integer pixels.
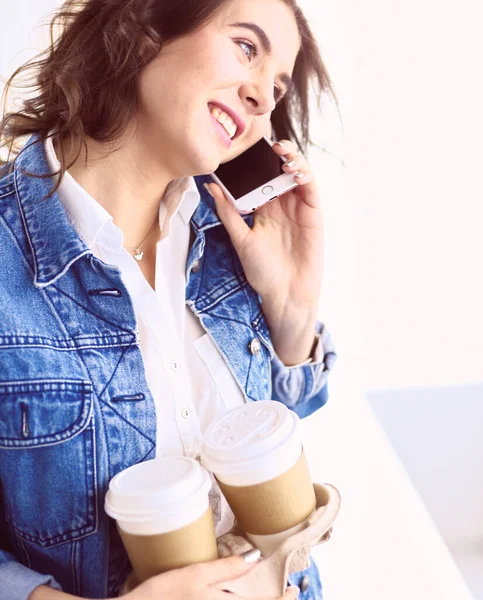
{"type": "Point", "coordinates": [256, 454]}
{"type": "Point", "coordinates": [163, 514]}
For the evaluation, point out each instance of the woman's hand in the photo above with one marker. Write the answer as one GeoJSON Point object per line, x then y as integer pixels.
{"type": "Point", "coordinates": [282, 256]}
{"type": "Point", "coordinates": [196, 582]}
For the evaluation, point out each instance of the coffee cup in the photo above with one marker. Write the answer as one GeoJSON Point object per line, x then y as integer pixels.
{"type": "Point", "coordinates": [163, 514]}
{"type": "Point", "coordinates": [255, 452]}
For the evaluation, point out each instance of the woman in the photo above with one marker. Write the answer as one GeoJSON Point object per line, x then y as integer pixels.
{"type": "Point", "coordinates": [131, 294]}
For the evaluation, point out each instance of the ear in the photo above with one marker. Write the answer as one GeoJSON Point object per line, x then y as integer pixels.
{"type": "Point", "coordinates": [147, 49]}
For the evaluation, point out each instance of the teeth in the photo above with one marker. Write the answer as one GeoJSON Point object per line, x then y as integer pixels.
{"type": "Point", "coordinates": [224, 119]}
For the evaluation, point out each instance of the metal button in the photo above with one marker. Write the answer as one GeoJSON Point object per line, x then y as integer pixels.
{"type": "Point", "coordinates": [305, 583]}
{"type": "Point", "coordinates": [185, 413]}
{"type": "Point", "coordinates": [174, 365]}
{"type": "Point", "coordinates": [196, 266]}
{"type": "Point", "coordinates": [255, 346]}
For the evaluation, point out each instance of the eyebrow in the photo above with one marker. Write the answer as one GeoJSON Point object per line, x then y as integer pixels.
{"type": "Point", "coordinates": [267, 46]}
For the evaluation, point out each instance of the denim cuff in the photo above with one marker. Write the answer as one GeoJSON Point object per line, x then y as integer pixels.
{"type": "Point", "coordinates": [17, 582]}
{"type": "Point", "coordinates": [316, 356]}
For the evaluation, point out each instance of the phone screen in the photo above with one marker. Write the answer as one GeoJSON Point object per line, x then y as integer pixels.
{"type": "Point", "coordinates": [250, 170]}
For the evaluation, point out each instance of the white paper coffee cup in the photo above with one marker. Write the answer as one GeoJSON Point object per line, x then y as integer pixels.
{"type": "Point", "coordinates": [159, 495]}
{"type": "Point", "coordinates": [252, 443]}
{"type": "Point", "coordinates": [256, 454]}
{"type": "Point", "coordinates": [163, 514]}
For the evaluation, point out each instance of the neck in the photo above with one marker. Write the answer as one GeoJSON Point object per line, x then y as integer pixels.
{"type": "Point", "coordinates": [126, 180]}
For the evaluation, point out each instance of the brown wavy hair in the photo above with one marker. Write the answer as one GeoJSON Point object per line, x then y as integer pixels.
{"type": "Point", "coordinates": [85, 82]}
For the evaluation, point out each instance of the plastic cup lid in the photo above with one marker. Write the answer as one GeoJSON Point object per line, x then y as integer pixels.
{"type": "Point", "coordinates": [265, 429]}
{"type": "Point", "coordinates": [160, 487]}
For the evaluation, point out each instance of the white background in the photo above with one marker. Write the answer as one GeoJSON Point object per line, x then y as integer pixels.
{"type": "Point", "coordinates": [402, 297]}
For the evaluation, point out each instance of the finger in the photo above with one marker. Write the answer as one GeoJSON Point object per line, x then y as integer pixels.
{"type": "Point", "coordinates": [294, 163]}
{"type": "Point", "coordinates": [237, 229]}
{"type": "Point", "coordinates": [285, 147]}
{"type": "Point", "coordinates": [292, 593]}
{"type": "Point", "coordinates": [225, 569]}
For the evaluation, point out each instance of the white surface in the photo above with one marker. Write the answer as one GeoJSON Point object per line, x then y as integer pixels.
{"type": "Point", "coordinates": [384, 545]}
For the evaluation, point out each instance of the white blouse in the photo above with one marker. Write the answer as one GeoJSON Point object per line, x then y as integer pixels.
{"type": "Point", "coordinates": [186, 374]}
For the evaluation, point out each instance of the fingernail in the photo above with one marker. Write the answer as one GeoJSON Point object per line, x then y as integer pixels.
{"type": "Point", "coordinates": [299, 175]}
{"type": "Point", "coordinates": [296, 588]}
{"type": "Point", "coordinates": [205, 185]}
{"type": "Point", "coordinates": [280, 143]}
{"type": "Point", "coordinates": [251, 556]}
{"type": "Point", "coordinates": [290, 163]}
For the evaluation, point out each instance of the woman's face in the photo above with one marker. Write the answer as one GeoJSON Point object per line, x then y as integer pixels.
{"type": "Point", "coordinates": [244, 68]}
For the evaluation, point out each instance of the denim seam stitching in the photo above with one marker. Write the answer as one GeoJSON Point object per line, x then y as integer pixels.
{"type": "Point", "coordinates": [24, 221]}
{"type": "Point", "coordinates": [114, 372]}
{"type": "Point", "coordinates": [57, 349]}
{"type": "Point", "coordinates": [75, 429]}
{"type": "Point", "coordinates": [19, 248]}
{"type": "Point", "coordinates": [207, 297]}
{"type": "Point", "coordinates": [128, 422]}
{"type": "Point", "coordinates": [111, 407]}
{"type": "Point", "coordinates": [82, 531]}
{"type": "Point", "coordinates": [72, 567]}
{"type": "Point", "coordinates": [24, 550]}
{"type": "Point", "coordinates": [92, 313]}
{"type": "Point", "coordinates": [9, 192]}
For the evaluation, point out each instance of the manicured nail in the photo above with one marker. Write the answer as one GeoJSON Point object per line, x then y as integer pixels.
{"type": "Point", "coordinates": [290, 163]}
{"type": "Point", "coordinates": [280, 143]}
{"type": "Point", "coordinates": [205, 185]}
{"type": "Point", "coordinates": [251, 556]}
{"type": "Point", "coordinates": [299, 175]}
{"type": "Point", "coordinates": [295, 588]}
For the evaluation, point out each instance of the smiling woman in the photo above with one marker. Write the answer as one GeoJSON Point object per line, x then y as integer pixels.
{"type": "Point", "coordinates": [136, 306]}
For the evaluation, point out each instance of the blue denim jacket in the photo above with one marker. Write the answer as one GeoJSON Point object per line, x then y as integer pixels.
{"type": "Point", "coordinates": [75, 408]}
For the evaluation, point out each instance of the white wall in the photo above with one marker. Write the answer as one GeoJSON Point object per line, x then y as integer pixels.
{"type": "Point", "coordinates": [413, 128]}
{"type": "Point", "coordinates": [408, 74]}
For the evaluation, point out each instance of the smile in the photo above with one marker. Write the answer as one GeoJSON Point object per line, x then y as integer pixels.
{"type": "Point", "coordinates": [228, 124]}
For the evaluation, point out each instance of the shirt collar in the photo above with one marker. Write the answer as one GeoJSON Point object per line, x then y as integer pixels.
{"type": "Point", "coordinates": [54, 241]}
{"type": "Point", "coordinates": [181, 196]}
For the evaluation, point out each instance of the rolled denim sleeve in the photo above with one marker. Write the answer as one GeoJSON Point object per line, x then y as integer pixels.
{"type": "Point", "coordinates": [304, 388]}
{"type": "Point", "coordinates": [17, 582]}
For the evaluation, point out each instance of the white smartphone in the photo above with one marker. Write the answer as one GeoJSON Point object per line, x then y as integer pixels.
{"type": "Point", "coordinates": [254, 178]}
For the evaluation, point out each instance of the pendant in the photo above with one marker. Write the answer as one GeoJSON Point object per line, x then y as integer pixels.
{"type": "Point", "coordinates": [139, 255]}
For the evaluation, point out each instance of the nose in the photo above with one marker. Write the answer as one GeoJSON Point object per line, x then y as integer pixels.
{"type": "Point", "coordinates": [258, 97]}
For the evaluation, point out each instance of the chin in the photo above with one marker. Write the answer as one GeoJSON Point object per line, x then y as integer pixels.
{"type": "Point", "coordinates": [204, 165]}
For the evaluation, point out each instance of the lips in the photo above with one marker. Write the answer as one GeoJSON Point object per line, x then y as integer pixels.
{"type": "Point", "coordinates": [239, 122]}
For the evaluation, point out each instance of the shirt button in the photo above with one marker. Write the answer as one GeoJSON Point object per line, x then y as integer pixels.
{"type": "Point", "coordinates": [255, 346]}
{"type": "Point", "coordinates": [305, 583]}
{"type": "Point", "coordinates": [174, 365]}
{"type": "Point", "coordinates": [185, 413]}
{"type": "Point", "coordinates": [196, 266]}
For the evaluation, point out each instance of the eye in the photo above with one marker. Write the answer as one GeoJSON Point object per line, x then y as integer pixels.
{"type": "Point", "coordinates": [252, 49]}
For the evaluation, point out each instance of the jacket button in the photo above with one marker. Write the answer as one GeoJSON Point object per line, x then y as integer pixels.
{"type": "Point", "coordinates": [255, 346]}
{"type": "Point", "coordinates": [196, 266]}
{"type": "Point", "coordinates": [305, 583]}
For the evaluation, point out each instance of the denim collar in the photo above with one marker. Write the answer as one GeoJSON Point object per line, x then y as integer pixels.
{"type": "Point", "coordinates": [54, 242]}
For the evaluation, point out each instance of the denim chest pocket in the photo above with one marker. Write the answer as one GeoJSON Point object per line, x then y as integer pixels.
{"type": "Point", "coordinates": [47, 460]}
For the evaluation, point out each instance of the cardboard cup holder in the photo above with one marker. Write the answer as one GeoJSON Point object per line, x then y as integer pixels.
{"type": "Point", "coordinates": [269, 577]}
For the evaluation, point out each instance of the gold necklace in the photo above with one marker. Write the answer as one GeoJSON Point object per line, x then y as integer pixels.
{"type": "Point", "coordinates": [138, 255]}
